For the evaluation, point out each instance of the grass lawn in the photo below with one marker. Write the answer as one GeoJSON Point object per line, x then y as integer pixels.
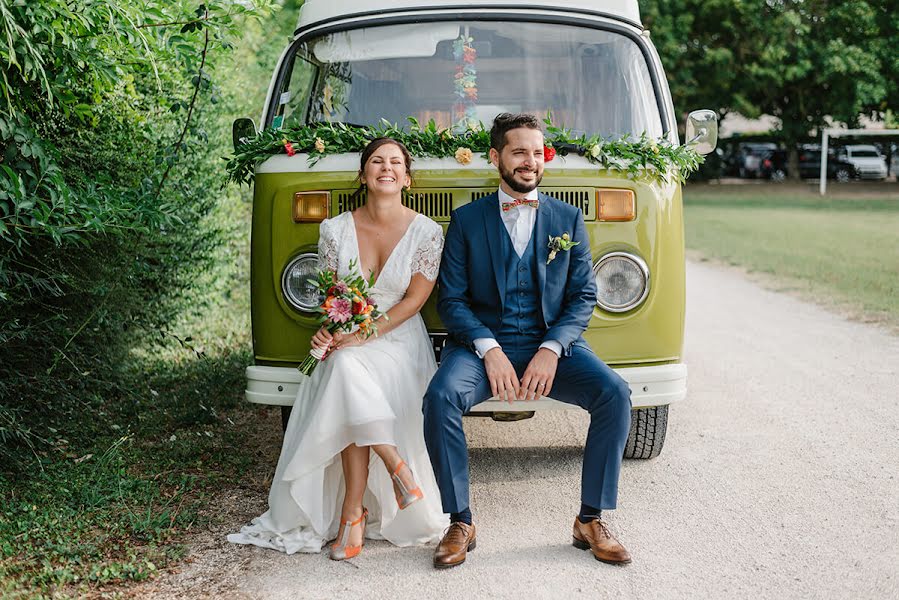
{"type": "Point", "coordinates": [841, 251]}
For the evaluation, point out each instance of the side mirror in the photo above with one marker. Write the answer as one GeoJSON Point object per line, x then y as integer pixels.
{"type": "Point", "coordinates": [702, 131]}
{"type": "Point", "coordinates": [242, 130]}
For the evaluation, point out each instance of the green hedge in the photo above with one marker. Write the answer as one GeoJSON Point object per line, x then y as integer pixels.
{"type": "Point", "coordinates": [110, 138]}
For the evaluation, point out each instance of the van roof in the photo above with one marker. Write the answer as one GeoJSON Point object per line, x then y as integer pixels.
{"type": "Point", "coordinates": [319, 11]}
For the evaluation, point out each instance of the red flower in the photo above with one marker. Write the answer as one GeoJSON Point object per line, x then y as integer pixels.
{"type": "Point", "coordinates": [289, 147]}
{"type": "Point", "coordinates": [549, 153]}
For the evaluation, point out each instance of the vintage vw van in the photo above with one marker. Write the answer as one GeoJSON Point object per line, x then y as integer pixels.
{"type": "Point", "coordinates": [590, 65]}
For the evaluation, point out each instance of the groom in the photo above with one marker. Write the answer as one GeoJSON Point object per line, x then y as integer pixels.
{"type": "Point", "coordinates": [515, 314]}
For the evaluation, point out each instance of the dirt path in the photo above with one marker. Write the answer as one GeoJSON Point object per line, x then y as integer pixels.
{"type": "Point", "coordinates": [780, 479]}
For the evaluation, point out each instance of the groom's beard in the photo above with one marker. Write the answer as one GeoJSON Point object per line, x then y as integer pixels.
{"type": "Point", "coordinates": [519, 186]}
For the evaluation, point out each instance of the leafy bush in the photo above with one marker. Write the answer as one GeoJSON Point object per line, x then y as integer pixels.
{"type": "Point", "coordinates": [110, 174]}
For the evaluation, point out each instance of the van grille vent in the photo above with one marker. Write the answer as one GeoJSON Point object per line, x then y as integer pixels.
{"type": "Point", "coordinates": [438, 203]}
{"type": "Point", "coordinates": [435, 204]}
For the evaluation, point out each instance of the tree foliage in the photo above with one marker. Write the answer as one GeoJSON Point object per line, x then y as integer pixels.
{"type": "Point", "coordinates": [806, 62]}
{"type": "Point", "coordinates": [110, 149]}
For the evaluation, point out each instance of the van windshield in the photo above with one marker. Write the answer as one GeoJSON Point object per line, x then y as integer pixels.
{"type": "Point", "coordinates": [461, 73]}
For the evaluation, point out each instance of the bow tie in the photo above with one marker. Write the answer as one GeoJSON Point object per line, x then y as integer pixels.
{"type": "Point", "coordinates": [507, 206]}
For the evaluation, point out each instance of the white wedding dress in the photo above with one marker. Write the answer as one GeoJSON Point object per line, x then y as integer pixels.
{"type": "Point", "coordinates": [367, 394]}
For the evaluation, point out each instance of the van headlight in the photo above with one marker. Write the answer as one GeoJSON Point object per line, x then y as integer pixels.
{"type": "Point", "coordinates": [622, 281]}
{"type": "Point", "coordinates": [298, 292]}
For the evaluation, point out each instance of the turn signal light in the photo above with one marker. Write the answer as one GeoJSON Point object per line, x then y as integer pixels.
{"type": "Point", "coordinates": [615, 205]}
{"type": "Point", "coordinates": [311, 207]}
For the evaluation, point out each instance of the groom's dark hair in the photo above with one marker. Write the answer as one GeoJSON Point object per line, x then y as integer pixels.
{"type": "Point", "coordinates": [506, 122]}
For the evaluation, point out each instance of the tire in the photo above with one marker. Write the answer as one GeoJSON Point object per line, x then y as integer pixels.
{"type": "Point", "coordinates": [842, 175]}
{"type": "Point", "coordinates": [778, 176]}
{"type": "Point", "coordinates": [647, 435]}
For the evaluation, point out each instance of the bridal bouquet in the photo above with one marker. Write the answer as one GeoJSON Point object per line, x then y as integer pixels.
{"type": "Point", "coordinates": [346, 308]}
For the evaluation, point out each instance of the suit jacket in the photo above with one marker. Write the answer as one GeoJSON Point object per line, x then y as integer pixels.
{"type": "Point", "coordinates": [472, 272]}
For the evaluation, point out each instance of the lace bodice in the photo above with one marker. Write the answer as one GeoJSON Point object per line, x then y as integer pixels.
{"type": "Point", "coordinates": [418, 251]}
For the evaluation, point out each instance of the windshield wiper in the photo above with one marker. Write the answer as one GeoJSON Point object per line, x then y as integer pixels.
{"type": "Point", "coordinates": [356, 125]}
{"type": "Point", "coordinates": [569, 149]}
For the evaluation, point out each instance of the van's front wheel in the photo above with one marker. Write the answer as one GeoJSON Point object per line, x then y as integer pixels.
{"type": "Point", "coordinates": [647, 435]}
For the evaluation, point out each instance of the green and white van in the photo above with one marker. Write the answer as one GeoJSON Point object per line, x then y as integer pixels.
{"type": "Point", "coordinates": [589, 65]}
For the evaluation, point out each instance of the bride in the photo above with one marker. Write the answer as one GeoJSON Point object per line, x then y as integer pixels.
{"type": "Point", "coordinates": [354, 464]}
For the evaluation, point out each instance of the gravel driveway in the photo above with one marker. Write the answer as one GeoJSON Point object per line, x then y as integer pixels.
{"type": "Point", "coordinates": [780, 479]}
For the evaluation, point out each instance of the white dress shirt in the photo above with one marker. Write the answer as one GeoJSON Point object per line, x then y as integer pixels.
{"type": "Point", "coordinates": [519, 222]}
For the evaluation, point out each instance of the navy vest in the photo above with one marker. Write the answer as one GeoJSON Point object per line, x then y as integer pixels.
{"type": "Point", "coordinates": [522, 321]}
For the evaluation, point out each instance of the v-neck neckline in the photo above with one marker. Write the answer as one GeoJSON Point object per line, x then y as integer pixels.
{"type": "Point", "coordinates": [392, 250]}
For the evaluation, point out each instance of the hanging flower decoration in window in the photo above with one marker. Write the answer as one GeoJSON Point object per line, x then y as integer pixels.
{"type": "Point", "coordinates": [465, 84]}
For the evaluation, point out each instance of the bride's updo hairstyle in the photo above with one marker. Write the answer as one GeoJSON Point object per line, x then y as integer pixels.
{"type": "Point", "coordinates": [366, 156]}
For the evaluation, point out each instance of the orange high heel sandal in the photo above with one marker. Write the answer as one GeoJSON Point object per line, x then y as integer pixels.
{"type": "Point", "coordinates": [406, 496]}
{"type": "Point", "coordinates": [343, 551]}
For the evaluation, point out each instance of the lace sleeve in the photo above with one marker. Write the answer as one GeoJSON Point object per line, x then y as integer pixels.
{"type": "Point", "coordinates": [327, 247]}
{"type": "Point", "coordinates": [426, 259]}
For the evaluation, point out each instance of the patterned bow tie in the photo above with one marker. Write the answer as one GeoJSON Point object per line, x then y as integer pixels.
{"type": "Point", "coordinates": [507, 206]}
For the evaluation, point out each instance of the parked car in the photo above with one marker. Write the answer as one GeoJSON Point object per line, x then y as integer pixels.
{"type": "Point", "coordinates": [837, 166]}
{"type": "Point", "coordinates": [869, 163]}
{"type": "Point", "coordinates": [749, 157]}
{"type": "Point", "coordinates": [713, 167]}
{"type": "Point", "coordinates": [774, 165]}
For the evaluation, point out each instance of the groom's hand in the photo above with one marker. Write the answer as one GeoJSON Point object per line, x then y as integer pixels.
{"type": "Point", "coordinates": [501, 374]}
{"type": "Point", "coordinates": [539, 376]}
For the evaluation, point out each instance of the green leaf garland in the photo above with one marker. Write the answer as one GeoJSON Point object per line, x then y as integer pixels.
{"type": "Point", "coordinates": [638, 158]}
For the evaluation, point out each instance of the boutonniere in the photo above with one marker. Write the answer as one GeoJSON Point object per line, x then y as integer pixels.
{"type": "Point", "coordinates": [560, 243]}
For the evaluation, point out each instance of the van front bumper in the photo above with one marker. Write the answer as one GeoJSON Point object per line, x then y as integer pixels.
{"type": "Point", "coordinates": [654, 385]}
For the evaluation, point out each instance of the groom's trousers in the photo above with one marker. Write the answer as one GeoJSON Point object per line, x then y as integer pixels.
{"type": "Point", "coordinates": [581, 379]}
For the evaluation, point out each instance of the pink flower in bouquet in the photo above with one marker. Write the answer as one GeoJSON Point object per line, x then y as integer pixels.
{"type": "Point", "coordinates": [341, 310]}
{"type": "Point", "coordinates": [338, 289]}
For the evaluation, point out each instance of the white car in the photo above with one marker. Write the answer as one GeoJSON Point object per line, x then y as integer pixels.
{"type": "Point", "coordinates": [869, 163]}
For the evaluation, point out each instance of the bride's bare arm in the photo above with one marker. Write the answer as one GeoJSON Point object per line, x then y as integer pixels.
{"type": "Point", "coordinates": [416, 295]}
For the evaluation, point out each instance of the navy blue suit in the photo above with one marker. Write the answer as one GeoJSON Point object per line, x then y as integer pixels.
{"type": "Point", "coordinates": [488, 291]}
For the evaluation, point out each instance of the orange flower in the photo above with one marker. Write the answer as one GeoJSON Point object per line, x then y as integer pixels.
{"type": "Point", "coordinates": [328, 301]}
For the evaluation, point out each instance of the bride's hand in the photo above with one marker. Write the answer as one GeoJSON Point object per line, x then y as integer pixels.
{"type": "Point", "coordinates": [322, 339]}
{"type": "Point", "coordinates": [346, 340]}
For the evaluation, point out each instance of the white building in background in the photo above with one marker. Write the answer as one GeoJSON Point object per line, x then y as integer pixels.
{"type": "Point", "coordinates": [737, 124]}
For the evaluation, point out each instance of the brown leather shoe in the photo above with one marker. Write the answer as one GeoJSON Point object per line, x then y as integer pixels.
{"type": "Point", "coordinates": [458, 539]}
{"type": "Point", "coordinates": [596, 537]}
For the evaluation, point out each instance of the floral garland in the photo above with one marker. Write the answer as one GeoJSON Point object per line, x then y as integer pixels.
{"type": "Point", "coordinates": [637, 158]}
{"type": "Point", "coordinates": [465, 83]}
